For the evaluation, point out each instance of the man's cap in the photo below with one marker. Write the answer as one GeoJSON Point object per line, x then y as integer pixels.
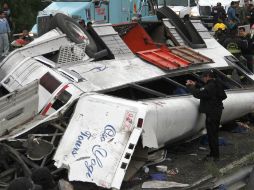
{"type": "Point", "coordinates": [209, 73]}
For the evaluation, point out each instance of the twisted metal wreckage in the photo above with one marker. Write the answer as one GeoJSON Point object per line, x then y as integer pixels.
{"type": "Point", "coordinates": [86, 106]}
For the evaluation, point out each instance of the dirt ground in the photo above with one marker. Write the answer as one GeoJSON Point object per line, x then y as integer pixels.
{"type": "Point", "coordinates": [186, 164]}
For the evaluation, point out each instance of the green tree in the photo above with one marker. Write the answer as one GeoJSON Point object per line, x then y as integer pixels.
{"type": "Point", "coordinates": [24, 13]}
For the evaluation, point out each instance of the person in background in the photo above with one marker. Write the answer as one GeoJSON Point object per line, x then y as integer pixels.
{"type": "Point", "coordinates": [242, 13]}
{"type": "Point", "coordinates": [218, 13]}
{"type": "Point", "coordinates": [247, 52]}
{"type": "Point", "coordinates": [232, 13]}
{"type": "Point", "coordinates": [23, 39]}
{"type": "Point", "coordinates": [25, 36]}
{"type": "Point", "coordinates": [233, 43]}
{"type": "Point", "coordinates": [250, 15]}
{"type": "Point", "coordinates": [4, 35]}
{"type": "Point", "coordinates": [211, 96]}
{"type": "Point", "coordinates": [220, 30]}
{"type": "Point", "coordinates": [7, 12]}
{"type": "Point", "coordinates": [82, 23]}
{"type": "Point", "coordinates": [89, 25]}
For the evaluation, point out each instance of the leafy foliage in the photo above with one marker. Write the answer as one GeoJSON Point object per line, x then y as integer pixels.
{"type": "Point", "coordinates": [23, 12]}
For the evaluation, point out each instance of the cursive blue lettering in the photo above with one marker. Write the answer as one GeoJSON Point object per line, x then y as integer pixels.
{"type": "Point", "coordinates": [97, 69]}
{"type": "Point", "coordinates": [109, 131]}
{"type": "Point", "coordinates": [78, 143]}
{"type": "Point", "coordinates": [98, 153]}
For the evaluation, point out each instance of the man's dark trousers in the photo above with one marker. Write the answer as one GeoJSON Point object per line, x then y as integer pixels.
{"type": "Point", "coordinates": [212, 127]}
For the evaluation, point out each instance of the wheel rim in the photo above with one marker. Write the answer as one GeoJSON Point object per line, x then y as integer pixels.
{"type": "Point", "coordinates": [77, 32]}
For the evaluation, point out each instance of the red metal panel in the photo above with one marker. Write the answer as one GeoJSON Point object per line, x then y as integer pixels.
{"type": "Point", "coordinates": [139, 42]}
{"type": "Point", "coordinates": [190, 55]}
{"type": "Point", "coordinates": [137, 39]}
{"type": "Point", "coordinates": [163, 58]}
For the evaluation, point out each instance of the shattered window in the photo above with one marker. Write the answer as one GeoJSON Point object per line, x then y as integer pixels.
{"type": "Point", "coordinates": [183, 78]}
{"type": "Point", "coordinates": [238, 76]}
{"type": "Point", "coordinates": [62, 99]}
{"type": "Point", "coordinates": [155, 88]}
{"type": "Point", "coordinates": [132, 93]}
{"type": "Point", "coordinates": [165, 86]}
{"type": "Point", "coordinates": [227, 82]}
{"type": "Point", "coordinates": [49, 82]}
{"type": "Point", "coordinates": [3, 91]}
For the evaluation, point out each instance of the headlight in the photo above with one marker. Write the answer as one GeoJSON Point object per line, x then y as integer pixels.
{"type": "Point", "coordinates": [194, 14]}
{"type": "Point", "coordinates": [177, 12]}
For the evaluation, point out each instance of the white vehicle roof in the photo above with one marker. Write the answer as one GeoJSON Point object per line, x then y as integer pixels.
{"type": "Point", "coordinates": [214, 3]}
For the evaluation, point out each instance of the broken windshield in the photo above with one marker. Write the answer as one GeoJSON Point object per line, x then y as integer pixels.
{"type": "Point", "coordinates": [174, 2]}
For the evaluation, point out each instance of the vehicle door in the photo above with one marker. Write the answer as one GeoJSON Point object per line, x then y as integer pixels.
{"type": "Point", "coordinates": [101, 11]}
{"type": "Point", "coordinates": [18, 107]}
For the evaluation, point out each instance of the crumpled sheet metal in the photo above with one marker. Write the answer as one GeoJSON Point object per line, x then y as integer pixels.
{"type": "Point", "coordinates": [96, 140]}
{"type": "Point", "coordinates": [162, 184]}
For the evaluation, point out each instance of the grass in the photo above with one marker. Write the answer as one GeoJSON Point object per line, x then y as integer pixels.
{"type": "Point", "coordinates": [213, 169]}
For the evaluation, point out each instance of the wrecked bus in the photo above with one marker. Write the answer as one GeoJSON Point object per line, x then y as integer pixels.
{"type": "Point", "coordinates": [96, 110]}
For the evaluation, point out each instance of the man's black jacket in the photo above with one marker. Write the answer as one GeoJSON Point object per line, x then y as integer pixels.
{"type": "Point", "coordinates": [211, 96]}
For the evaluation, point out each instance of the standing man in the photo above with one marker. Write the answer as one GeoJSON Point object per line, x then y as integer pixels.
{"type": "Point", "coordinates": [211, 96]}
{"type": "Point", "coordinates": [4, 32]}
{"type": "Point", "coordinates": [7, 12]}
{"type": "Point", "coordinates": [218, 13]}
{"type": "Point", "coordinates": [232, 12]}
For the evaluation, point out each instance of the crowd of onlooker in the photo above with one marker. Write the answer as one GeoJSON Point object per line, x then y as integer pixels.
{"type": "Point", "coordinates": [234, 29]}
{"type": "Point", "coordinates": [6, 29]}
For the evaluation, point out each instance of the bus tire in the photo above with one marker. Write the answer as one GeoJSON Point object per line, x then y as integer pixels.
{"type": "Point", "coordinates": [74, 32]}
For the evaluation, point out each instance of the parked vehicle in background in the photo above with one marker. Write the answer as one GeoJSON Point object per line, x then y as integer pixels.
{"type": "Point", "coordinates": [183, 8]}
{"type": "Point", "coordinates": [204, 10]}
{"type": "Point", "coordinates": [96, 11]}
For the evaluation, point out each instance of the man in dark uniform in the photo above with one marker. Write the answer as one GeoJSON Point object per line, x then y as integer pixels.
{"type": "Point", "coordinates": [218, 13]}
{"type": "Point", "coordinates": [211, 96]}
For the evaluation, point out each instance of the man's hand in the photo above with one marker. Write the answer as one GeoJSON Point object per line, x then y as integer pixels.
{"type": "Point", "coordinates": [190, 83]}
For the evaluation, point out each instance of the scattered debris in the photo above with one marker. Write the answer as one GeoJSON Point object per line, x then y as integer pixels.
{"type": "Point", "coordinates": [173, 171]}
{"type": "Point", "coordinates": [146, 169]}
{"type": "Point", "coordinates": [202, 148]}
{"type": "Point", "coordinates": [37, 148]}
{"type": "Point", "coordinates": [159, 176]}
{"type": "Point", "coordinates": [162, 184]}
{"type": "Point", "coordinates": [157, 157]}
{"type": "Point", "coordinates": [240, 128]}
{"type": "Point", "coordinates": [161, 168]}
{"type": "Point", "coordinates": [193, 154]}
